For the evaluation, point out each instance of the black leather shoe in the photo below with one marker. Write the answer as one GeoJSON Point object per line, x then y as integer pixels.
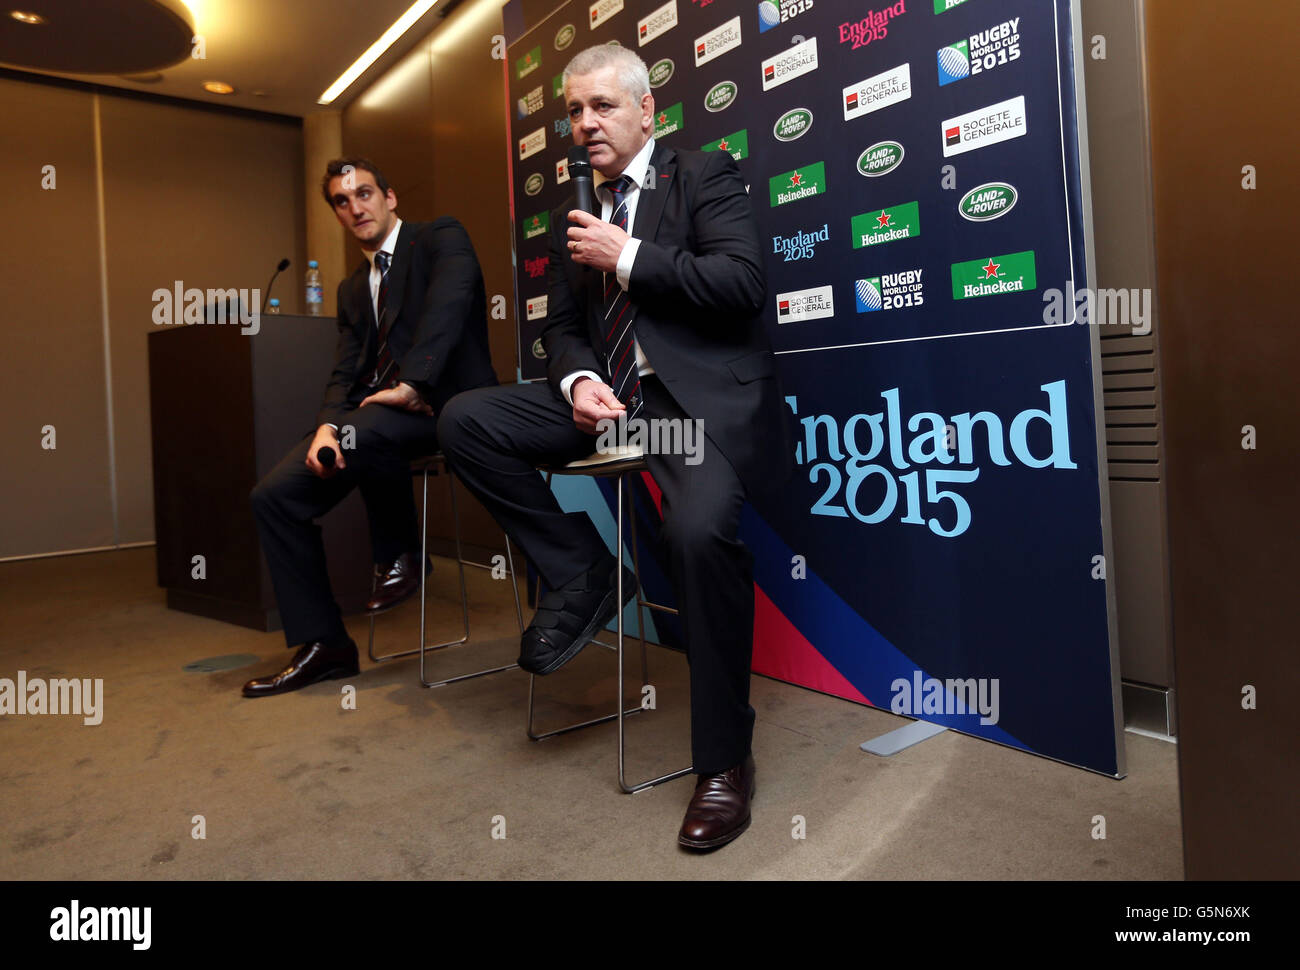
{"type": "Point", "coordinates": [313, 662]}
{"type": "Point", "coordinates": [719, 809]}
{"type": "Point", "coordinates": [396, 583]}
{"type": "Point", "coordinates": [568, 619]}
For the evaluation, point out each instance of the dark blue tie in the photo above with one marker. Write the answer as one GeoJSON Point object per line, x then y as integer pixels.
{"type": "Point", "coordinates": [385, 368]}
{"type": "Point", "coordinates": [620, 342]}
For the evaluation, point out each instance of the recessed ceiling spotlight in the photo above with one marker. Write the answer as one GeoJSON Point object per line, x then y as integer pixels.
{"type": "Point", "coordinates": [217, 87]}
{"type": "Point", "coordinates": [26, 17]}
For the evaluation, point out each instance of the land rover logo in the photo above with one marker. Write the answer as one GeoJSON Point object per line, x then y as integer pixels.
{"type": "Point", "coordinates": [538, 350]}
{"type": "Point", "coordinates": [721, 96]}
{"type": "Point", "coordinates": [564, 37]}
{"type": "Point", "coordinates": [880, 159]}
{"type": "Point", "coordinates": [661, 73]}
{"type": "Point", "coordinates": [793, 124]}
{"type": "Point", "coordinates": [533, 184]}
{"type": "Point", "coordinates": [987, 202]}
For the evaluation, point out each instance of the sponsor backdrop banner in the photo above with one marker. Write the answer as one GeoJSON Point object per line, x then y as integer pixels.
{"type": "Point", "coordinates": [915, 170]}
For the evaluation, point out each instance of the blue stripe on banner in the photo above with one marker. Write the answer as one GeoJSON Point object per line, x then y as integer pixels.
{"type": "Point", "coordinates": [848, 642]}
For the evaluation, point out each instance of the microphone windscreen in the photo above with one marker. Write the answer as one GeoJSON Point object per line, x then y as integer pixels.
{"type": "Point", "coordinates": [326, 456]}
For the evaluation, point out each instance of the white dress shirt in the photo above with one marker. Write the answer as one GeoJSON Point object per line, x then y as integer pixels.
{"type": "Point", "coordinates": [376, 277]}
{"type": "Point", "coordinates": [636, 170]}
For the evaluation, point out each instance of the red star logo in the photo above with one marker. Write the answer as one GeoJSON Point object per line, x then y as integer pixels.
{"type": "Point", "coordinates": [723, 146]}
{"type": "Point", "coordinates": [663, 117]}
{"type": "Point", "coordinates": [796, 179]}
{"type": "Point", "coordinates": [991, 270]}
{"type": "Point", "coordinates": [882, 220]}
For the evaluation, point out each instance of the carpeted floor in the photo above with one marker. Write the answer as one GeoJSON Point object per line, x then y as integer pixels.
{"type": "Point", "coordinates": [421, 784]}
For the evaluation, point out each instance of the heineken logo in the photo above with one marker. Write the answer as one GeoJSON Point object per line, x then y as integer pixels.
{"type": "Point", "coordinates": [793, 124]}
{"type": "Point", "coordinates": [880, 159]}
{"type": "Point", "coordinates": [557, 86]}
{"type": "Point", "coordinates": [801, 183]}
{"type": "Point", "coordinates": [661, 72]}
{"type": "Point", "coordinates": [737, 145]}
{"type": "Point", "coordinates": [533, 184]}
{"type": "Point", "coordinates": [721, 96]}
{"type": "Point", "coordinates": [994, 276]}
{"type": "Point", "coordinates": [538, 225]}
{"type": "Point", "coordinates": [564, 36]}
{"type": "Point", "coordinates": [886, 225]}
{"type": "Point", "coordinates": [528, 63]}
{"type": "Point", "coordinates": [987, 202]}
{"type": "Point", "coordinates": [942, 5]}
{"type": "Point", "coordinates": [669, 120]}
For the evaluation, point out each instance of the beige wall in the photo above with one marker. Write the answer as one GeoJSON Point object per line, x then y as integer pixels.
{"type": "Point", "coordinates": [208, 197]}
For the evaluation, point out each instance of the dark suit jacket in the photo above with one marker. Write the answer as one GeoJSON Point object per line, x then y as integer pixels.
{"type": "Point", "coordinates": [699, 289]}
{"type": "Point", "coordinates": [439, 311]}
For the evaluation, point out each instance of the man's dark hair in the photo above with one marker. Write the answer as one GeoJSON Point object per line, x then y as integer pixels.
{"type": "Point", "coordinates": [342, 166]}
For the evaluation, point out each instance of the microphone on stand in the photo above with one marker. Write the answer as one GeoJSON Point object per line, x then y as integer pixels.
{"type": "Point", "coordinates": [580, 174]}
{"type": "Point", "coordinates": [284, 264]}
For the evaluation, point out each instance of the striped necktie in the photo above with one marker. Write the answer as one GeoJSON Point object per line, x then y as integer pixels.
{"type": "Point", "coordinates": [386, 367]}
{"type": "Point", "coordinates": [620, 355]}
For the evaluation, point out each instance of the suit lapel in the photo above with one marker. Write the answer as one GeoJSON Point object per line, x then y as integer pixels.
{"type": "Point", "coordinates": [654, 194]}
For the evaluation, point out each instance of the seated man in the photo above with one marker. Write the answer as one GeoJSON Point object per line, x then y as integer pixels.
{"type": "Point", "coordinates": [412, 326]}
{"type": "Point", "coordinates": [654, 313]}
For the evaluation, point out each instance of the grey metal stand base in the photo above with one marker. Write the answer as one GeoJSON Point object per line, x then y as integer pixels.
{"type": "Point", "coordinates": [895, 741]}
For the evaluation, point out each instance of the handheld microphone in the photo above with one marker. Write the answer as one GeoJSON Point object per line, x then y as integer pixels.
{"type": "Point", "coordinates": [580, 174]}
{"type": "Point", "coordinates": [284, 264]}
{"type": "Point", "coordinates": [325, 455]}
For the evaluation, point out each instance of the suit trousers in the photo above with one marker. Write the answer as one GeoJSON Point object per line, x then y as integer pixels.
{"type": "Point", "coordinates": [494, 438]}
{"type": "Point", "coordinates": [291, 497]}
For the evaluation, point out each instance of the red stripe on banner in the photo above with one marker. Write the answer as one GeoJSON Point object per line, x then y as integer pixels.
{"type": "Point", "coordinates": [781, 651]}
{"type": "Point", "coordinates": [656, 496]}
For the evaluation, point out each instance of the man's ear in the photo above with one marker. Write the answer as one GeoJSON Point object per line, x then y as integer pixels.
{"type": "Point", "coordinates": [647, 111]}
{"type": "Point", "coordinates": [391, 199]}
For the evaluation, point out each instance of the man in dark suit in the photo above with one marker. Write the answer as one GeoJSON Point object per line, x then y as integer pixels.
{"type": "Point", "coordinates": [412, 326]}
{"type": "Point", "coordinates": [654, 314]}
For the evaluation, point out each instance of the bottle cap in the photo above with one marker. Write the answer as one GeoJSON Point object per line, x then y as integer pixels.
{"type": "Point", "coordinates": [274, 301]}
{"type": "Point", "coordinates": [313, 264]}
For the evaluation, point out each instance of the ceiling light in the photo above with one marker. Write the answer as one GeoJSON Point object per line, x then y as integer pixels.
{"type": "Point", "coordinates": [25, 17]}
{"type": "Point", "coordinates": [217, 87]}
{"type": "Point", "coordinates": [376, 50]}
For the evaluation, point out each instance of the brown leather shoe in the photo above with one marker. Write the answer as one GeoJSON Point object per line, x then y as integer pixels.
{"type": "Point", "coordinates": [719, 809]}
{"type": "Point", "coordinates": [396, 583]}
{"type": "Point", "coordinates": [313, 662]}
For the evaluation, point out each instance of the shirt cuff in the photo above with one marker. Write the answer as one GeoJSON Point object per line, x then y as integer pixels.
{"type": "Point", "coordinates": [623, 271]}
{"type": "Point", "coordinates": [566, 385]}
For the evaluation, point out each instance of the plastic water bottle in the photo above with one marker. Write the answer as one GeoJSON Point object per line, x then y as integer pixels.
{"type": "Point", "coordinates": [273, 306]}
{"type": "Point", "coordinates": [315, 294]}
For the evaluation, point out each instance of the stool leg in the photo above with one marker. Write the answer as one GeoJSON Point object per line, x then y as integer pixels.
{"type": "Point", "coordinates": [424, 540]}
{"type": "Point", "coordinates": [636, 571]}
{"type": "Point", "coordinates": [464, 605]}
{"type": "Point", "coordinates": [531, 728]}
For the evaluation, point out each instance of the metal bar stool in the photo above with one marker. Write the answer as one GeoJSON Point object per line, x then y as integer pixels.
{"type": "Point", "coordinates": [617, 465]}
{"type": "Point", "coordinates": [437, 462]}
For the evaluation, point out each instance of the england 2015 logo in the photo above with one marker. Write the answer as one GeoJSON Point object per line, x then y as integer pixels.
{"type": "Point", "coordinates": [980, 52]}
{"type": "Point", "coordinates": [802, 245]}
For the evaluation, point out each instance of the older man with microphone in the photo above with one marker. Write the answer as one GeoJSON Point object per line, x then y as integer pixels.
{"type": "Point", "coordinates": [654, 304]}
